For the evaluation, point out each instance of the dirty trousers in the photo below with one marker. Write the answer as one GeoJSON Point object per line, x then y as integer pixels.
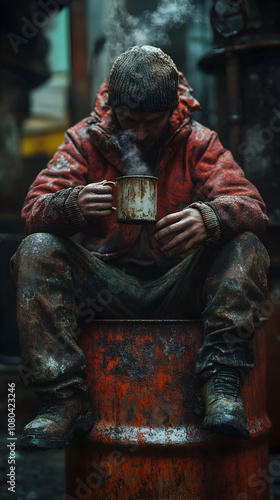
{"type": "Point", "coordinates": [61, 287]}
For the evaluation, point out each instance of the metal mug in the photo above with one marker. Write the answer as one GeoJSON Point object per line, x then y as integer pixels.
{"type": "Point", "coordinates": [136, 199]}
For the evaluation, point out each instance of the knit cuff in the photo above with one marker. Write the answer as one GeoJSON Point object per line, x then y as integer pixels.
{"type": "Point", "coordinates": [72, 210]}
{"type": "Point", "coordinates": [210, 221]}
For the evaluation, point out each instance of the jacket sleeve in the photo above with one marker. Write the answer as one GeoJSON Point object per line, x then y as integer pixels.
{"type": "Point", "coordinates": [50, 205]}
{"type": "Point", "coordinates": [221, 184]}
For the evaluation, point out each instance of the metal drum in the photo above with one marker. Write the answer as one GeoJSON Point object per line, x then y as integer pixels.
{"type": "Point", "coordinates": [147, 442]}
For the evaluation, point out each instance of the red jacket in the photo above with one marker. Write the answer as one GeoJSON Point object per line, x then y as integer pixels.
{"type": "Point", "coordinates": [194, 166]}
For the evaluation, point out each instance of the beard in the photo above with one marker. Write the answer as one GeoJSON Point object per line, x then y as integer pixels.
{"type": "Point", "coordinates": [140, 156]}
{"type": "Point", "coordinates": [152, 147]}
{"type": "Point", "coordinates": [152, 153]}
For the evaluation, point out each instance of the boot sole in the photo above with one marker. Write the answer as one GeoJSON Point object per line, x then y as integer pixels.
{"type": "Point", "coordinates": [31, 442]}
{"type": "Point", "coordinates": [227, 426]}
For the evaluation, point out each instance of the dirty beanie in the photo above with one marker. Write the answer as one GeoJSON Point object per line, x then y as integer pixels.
{"type": "Point", "coordinates": [143, 78]}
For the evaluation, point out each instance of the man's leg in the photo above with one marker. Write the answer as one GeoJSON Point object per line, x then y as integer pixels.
{"type": "Point", "coordinates": [60, 286]}
{"type": "Point", "coordinates": [225, 285]}
{"type": "Point", "coordinates": [233, 291]}
{"type": "Point", "coordinates": [52, 363]}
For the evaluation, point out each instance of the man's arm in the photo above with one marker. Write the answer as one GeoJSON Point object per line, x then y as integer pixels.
{"type": "Point", "coordinates": [220, 184]}
{"type": "Point", "coordinates": [56, 200]}
{"type": "Point", "coordinates": [227, 203]}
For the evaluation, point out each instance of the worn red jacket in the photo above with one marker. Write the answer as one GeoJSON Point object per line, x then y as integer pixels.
{"type": "Point", "coordinates": [194, 166]}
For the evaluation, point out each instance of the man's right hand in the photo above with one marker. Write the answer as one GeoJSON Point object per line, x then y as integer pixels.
{"type": "Point", "coordinates": [95, 200]}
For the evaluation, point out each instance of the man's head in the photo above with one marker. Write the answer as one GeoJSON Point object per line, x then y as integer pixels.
{"type": "Point", "coordinates": [143, 92]}
{"type": "Point", "coordinates": [144, 78]}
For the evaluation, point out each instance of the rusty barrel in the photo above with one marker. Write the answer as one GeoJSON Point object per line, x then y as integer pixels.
{"type": "Point", "coordinates": [147, 442]}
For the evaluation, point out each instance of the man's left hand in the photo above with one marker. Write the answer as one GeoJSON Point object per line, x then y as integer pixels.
{"type": "Point", "coordinates": [180, 231]}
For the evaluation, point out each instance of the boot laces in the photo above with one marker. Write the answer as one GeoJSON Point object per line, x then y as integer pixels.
{"type": "Point", "coordinates": [227, 384]}
{"type": "Point", "coordinates": [47, 408]}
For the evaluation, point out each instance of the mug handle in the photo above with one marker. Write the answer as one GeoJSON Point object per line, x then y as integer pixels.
{"type": "Point", "coordinates": [114, 184]}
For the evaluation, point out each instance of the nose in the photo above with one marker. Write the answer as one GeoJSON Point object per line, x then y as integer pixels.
{"type": "Point", "coordinates": [141, 133]}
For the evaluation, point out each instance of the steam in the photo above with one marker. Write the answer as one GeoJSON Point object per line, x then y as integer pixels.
{"type": "Point", "coordinates": [130, 153]}
{"type": "Point", "coordinates": [124, 31]}
{"type": "Point", "coordinates": [151, 28]}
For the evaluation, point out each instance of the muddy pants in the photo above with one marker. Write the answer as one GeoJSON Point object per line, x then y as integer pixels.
{"type": "Point", "coordinates": [61, 287]}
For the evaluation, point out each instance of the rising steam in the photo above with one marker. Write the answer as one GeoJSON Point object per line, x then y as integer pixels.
{"type": "Point", "coordinates": [130, 154]}
{"type": "Point", "coordinates": [124, 31]}
{"type": "Point", "coordinates": [151, 28]}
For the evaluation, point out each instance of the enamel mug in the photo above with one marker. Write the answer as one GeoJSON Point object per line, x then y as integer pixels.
{"type": "Point", "coordinates": [136, 199]}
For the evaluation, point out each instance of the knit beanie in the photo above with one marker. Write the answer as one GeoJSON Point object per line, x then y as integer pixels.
{"type": "Point", "coordinates": [144, 78]}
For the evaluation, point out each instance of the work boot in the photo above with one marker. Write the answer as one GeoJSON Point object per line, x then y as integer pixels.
{"type": "Point", "coordinates": [56, 422]}
{"type": "Point", "coordinates": [224, 410]}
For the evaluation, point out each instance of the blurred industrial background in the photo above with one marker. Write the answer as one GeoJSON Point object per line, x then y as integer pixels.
{"type": "Point", "coordinates": [54, 54]}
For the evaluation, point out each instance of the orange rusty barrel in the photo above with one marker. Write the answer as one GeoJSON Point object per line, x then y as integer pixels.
{"type": "Point", "coordinates": [148, 442]}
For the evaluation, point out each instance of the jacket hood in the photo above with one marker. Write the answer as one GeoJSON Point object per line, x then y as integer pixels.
{"type": "Point", "coordinates": [102, 123]}
{"type": "Point", "coordinates": [104, 117]}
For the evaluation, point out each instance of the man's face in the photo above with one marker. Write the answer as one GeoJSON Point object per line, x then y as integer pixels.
{"type": "Point", "coordinates": [146, 125]}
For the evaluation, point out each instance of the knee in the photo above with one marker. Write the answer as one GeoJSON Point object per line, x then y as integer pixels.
{"type": "Point", "coordinates": [34, 246]}
{"type": "Point", "coordinates": [249, 242]}
{"type": "Point", "coordinates": [246, 252]}
{"type": "Point", "coordinates": [247, 238]}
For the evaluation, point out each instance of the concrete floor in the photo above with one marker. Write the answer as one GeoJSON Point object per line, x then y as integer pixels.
{"type": "Point", "coordinates": [39, 476]}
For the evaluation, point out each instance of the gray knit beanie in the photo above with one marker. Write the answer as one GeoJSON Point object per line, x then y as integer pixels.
{"type": "Point", "coordinates": [143, 78]}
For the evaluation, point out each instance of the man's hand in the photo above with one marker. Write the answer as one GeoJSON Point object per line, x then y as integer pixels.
{"type": "Point", "coordinates": [181, 231]}
{"type": "Point", "coordinates": [95, 200]}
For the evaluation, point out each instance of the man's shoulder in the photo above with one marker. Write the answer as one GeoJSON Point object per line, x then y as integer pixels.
{"type": "Point", "coordinates": [80, 128]}
{"type": "Point", "coordinates": [200, 133]}
{"type": "Point", "coordinates": [81, 135]}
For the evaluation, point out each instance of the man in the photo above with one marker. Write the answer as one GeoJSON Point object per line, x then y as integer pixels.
{"type": "Point", "coordinates": [202, 257]}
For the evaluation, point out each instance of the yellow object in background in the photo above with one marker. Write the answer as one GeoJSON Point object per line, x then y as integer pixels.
{"type": "Point", "coordinates": [42, 136]}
